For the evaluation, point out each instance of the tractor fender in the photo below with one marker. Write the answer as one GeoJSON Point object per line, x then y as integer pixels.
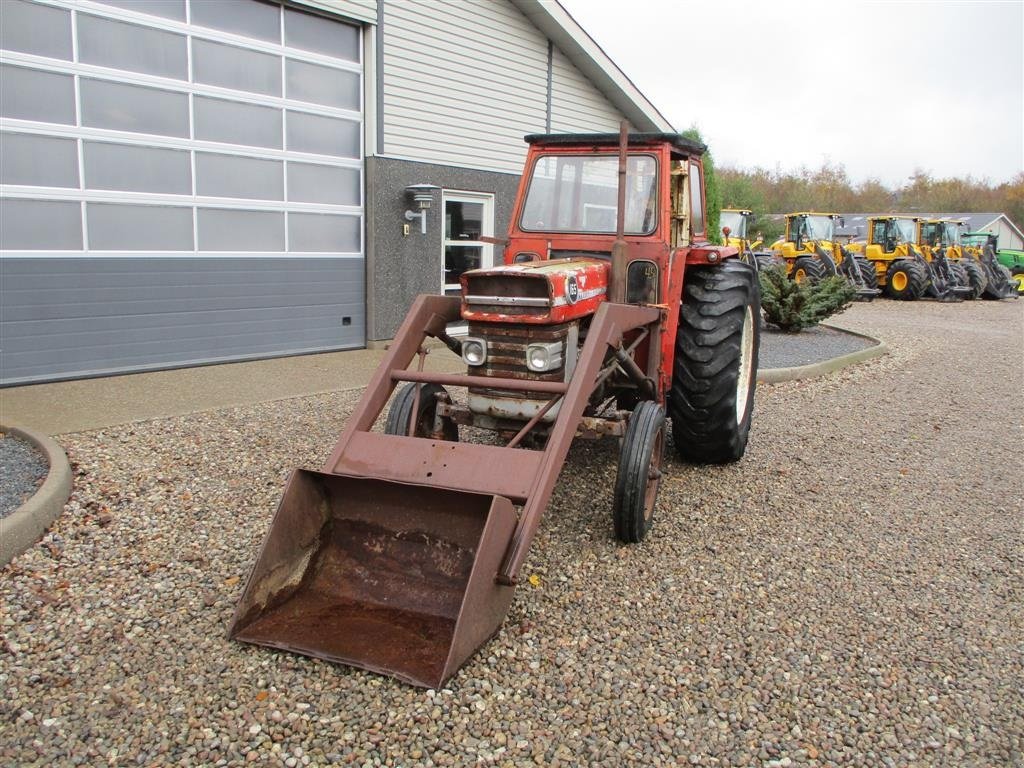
{"type": "Point", "coordinates": [711, 254]}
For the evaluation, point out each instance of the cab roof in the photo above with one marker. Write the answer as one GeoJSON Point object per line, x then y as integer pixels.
{"type": "Point", "coordinates": [811, 213]}
{"type": "Point", "coordinates": [679, 143]}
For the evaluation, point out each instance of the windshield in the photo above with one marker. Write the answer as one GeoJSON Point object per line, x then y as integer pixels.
{"type": "Point", "coordinates": [579, 193]}
{"type": "Point", "coordinates": [951, 235]}
{"type": "Point", "coordinates": [904, 230]}
{"type": "Point", "coordinates": [735, 221]}
{"type": "Point", "coordinates": [813, 227]}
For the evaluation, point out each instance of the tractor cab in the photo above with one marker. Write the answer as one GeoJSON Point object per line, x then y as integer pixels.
{"type": "Point", "coordinates": [806, 229]}
{"type": "Point", "coordinates": [735, 224]}
{"type": "Point", "coordinates": [933, 234]}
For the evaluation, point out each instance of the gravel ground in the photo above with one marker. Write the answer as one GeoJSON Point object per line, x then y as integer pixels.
{"type": "Point", "coordinates": [812, 345]}
{"type": "Point", "coordinates": [22, 471]}
{"type": "Point", "coordinates": [851, 593]}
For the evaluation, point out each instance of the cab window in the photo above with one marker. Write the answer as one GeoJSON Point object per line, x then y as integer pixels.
{"type": "Point", "coordinates": [696, 200]}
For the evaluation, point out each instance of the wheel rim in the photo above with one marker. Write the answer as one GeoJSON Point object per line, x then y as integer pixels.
{"type": "Point", "coordinates": [899, 281]}
{"type": "Point", "coordinates": [653, 476]}
{"type": "Point", "coordinates": [1019, 280]}
{"type": "Point", "coordinates": [799, 276]}
{"type": "Point", "coordinates": [746, 364]}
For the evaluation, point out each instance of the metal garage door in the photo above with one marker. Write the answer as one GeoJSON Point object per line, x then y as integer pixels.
{"type": "Point", "coordinates": [182, 183]}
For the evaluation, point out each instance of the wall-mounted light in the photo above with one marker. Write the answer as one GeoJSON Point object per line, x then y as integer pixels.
{"type": "Point", "coordinates": [423, 196]}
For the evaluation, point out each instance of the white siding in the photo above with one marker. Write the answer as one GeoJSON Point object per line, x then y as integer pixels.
{"type": "Point", "coordinates": [576, 105]}
{"type": "Point", "coordinates": [360, 10]}
{"type": "Point", "coordinates": [464, 81]}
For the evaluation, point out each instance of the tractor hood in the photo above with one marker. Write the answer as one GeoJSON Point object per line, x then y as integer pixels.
{"type": "Point", "coordinates": [551, 291]}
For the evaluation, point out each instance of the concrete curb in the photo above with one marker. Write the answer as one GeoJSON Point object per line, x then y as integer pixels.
{"type": "Point", "coordinates": [25, 526]}
{"type": "Point", "coordinates": [778, 375]}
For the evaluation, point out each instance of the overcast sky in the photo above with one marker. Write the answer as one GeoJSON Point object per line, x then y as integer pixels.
{"type": "Point", "coordinates": [880, 87]}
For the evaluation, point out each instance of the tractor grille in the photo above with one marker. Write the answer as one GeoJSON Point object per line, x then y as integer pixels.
{"type": "Point", "coordinates": [505, 295]}
{"type": "Point", "coordinates": [506, 353]}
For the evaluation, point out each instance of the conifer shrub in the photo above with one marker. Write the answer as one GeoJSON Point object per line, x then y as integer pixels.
{"type": "Point", "coordinates": [791, 307]}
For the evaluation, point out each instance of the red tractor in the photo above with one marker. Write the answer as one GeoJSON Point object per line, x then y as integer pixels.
{"type": "Point", "coordinates": [612, 316]}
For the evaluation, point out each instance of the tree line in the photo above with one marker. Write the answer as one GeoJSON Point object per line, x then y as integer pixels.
{"type": "Point", "coordinates": [829, 189]}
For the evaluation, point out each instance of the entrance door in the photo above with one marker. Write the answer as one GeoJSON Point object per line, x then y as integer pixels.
{"type": "Point", "coordinates": [468, 216]}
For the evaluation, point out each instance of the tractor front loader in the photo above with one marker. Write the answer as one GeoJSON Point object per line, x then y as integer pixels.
{"type": "Point", "coordinates": [612, 316]}
{"type": "Point", "coordinates": [812, 252]}
{"type": "Point", "coordinates": [939, 241]}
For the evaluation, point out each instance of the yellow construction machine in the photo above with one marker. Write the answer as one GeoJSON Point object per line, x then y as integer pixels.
{"type": "Point", "coordinates": [939, 239]}
{"type": "Point", "coordinates": [812, 252]}
{"type": "Point", "coordinates": [735, 223]}
{"type": "Point", "coordinates": [901, 268]}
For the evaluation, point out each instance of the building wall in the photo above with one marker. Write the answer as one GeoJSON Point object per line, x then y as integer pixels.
{"type": "Point", "coordinates": [1008, 238]}
{"type": "Point", "coordinates": [465, 80]}
{"type": "Point", "coordinates": [400, 267]}
{"type": "Point", "coordinates": [182, 183]}
{"type": "Point", "coordinates": [576, 104]}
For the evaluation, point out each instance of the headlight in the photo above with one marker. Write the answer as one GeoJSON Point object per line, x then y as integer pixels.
{"type": "Point", "coordinates": [544, 357]}
{"type": "Point", "coordinates": [474, 351]}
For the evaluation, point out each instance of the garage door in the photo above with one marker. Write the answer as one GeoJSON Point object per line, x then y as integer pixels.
{"type": "Point", "coordinates": [182, 183]}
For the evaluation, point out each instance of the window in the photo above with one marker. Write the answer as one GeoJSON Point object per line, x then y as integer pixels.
{"type": "Point", "coordinates": [696, 200]}
{"type": "Point", "coordinates": [468, 216]}
{"type": "Point", "coordinates": [579, 193]}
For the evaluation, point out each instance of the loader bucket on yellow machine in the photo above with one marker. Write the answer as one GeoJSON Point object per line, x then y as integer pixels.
{"type": "Point", "coordinates": [386, 576]}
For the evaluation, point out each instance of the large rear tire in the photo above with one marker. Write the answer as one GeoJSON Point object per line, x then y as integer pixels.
{"type": "Point", "coordinates": [976, 277]}
{"type": "Point", "coordinates": [400, 414]}
{"type": "Point", "coordinates": [906, 280]}
{"type": "Point", "coordinates": [1017, 273]}
{"type": "Point", "coordinates": [639, 477]}
{"type": "Point", "coordinates": [715, 370]}
{"type": "Point", "coordinates": [808, 269]}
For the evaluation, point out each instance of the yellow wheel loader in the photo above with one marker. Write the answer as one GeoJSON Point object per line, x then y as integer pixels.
{"type": "Point", "coordinates": [939, 240]}
{"type": "Point", "coordinates": [812, 252]}
{"type": "Point", "coordinates": [735, 223]}
{"type": "Point", "coordinates": [902, 269]}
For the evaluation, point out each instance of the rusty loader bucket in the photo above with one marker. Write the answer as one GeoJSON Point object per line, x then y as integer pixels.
{"type": "Point", "coordinates": [394, 578]}
{"type": "Point", "coordinates": [402, 555]}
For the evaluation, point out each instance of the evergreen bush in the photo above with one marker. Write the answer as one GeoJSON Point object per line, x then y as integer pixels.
{"type": "Point", "coordinates": [791, 307]}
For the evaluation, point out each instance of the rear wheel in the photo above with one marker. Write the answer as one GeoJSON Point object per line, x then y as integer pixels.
{"type": "Point", "coordinates": [767, 261]}
{"type": "Point", "coordinates": [975, 277]}
{"type": "Point", "coordinates": [400, 414]}
{"type": "Point", "coordinates": [715, 370]}
{"type": "Point", "coordinates": [1017, 273]}
{"type": "Point", "coordinates": [906, 280]}
{"type": "Point", "coordinates": [639, 477]}
{"type": "Point", "coordinates": [808, 269]}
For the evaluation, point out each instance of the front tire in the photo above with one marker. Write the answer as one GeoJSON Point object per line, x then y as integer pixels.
{"type": "Point", "coordinates": [715, 372]}
{"type": "Point", "coordinates": [976, 277]}
{"type": "Point", "coordinates": [400, 414]}
{"type": "Point", "coordinates": [868, 274]}
{"type": "Point", "coordinates": [808, 269]}
{"type": "Point", "coordinates": [906, 280]}
{"type": "Point", "coordinates": [639, 476]}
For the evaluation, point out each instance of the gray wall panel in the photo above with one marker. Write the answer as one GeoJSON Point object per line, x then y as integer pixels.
{"type": "Point", "coordinates": [400, 268]}
{"type": "Point", "coordinates": [72, 317]}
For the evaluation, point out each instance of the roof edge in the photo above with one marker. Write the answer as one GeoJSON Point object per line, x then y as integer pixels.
{"type": "Point", "coordinates": [580, 48]}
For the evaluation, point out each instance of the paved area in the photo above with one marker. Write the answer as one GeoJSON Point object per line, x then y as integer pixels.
{"type": "Point", "coordinates": [850, 593]}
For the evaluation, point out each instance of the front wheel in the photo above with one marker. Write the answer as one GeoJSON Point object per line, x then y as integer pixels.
{"type": "Point", "coordinates": [976, 277]}
{"type": "Point", "coordinates": [715, 370]}
{"type": "Point", "coordinates": [808, 269]}
{"type": "Point", "coordinates": [639, 476]}
{"type": "Point", "coordinates": [906, 280]}
{"type": "Point", "coordinates": [868, 274]}
{"type": "Point", "coordinates": [401, 421]}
